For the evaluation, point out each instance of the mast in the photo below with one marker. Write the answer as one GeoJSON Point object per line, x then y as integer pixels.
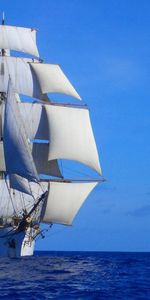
{"type": "Point", "coordinates": [3, 23]}
{"type": "Point", "coordinates": [2, 99]}
{"type": "Point", "coordinates": [3, 53]}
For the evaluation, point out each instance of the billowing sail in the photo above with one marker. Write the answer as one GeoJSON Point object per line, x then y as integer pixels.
{"type": "Point", "coordinates": [20, 184]}
{"type": "Point", "coordinates": [18, 38]}
{"type": "Point", "coordinates": [23, 80]}
{"type": "Point", "coordinates": [71, 135]}
{"type": "Point", "coordinates": [43, 166]}
{"type": "Point", "coordinates": [18, 158]}
{"type": "Point", "coordinates": [33, 78]}
{"type": "Point", "coordinates": [18, 201]}
{"type": "Point", "coordinates": [53, 80]}
{"type": "Point", "coordinates": [40, 157]}
{"type": "Point", "coordinates": [64, 201]}
{"type": "Point", "coordinates": [35, 119]}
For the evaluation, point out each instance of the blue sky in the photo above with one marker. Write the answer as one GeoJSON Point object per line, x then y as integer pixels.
{"type": "Point", "coordinates": [104, 49]}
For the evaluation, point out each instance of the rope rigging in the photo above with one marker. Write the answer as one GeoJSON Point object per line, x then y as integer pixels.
{"type": "Point", "coordinates": [10, 195]}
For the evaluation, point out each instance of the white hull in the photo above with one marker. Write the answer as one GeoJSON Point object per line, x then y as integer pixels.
{"type": "Point", "coordinates": [14, 244]}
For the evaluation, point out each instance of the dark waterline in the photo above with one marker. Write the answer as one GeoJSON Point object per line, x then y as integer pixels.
{"type": "Point", "coordinates": [76, 275]}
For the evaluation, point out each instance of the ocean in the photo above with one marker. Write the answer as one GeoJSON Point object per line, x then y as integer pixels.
{"type": "Point", "coordinates": [76, 275]}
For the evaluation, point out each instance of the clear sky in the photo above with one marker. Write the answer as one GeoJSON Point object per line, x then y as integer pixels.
{"type": "Point", "coordinates": [104, 48]}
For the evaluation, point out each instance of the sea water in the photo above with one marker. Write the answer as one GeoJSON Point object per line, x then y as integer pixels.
{"type": "Point", "coordinates": [76, 275]}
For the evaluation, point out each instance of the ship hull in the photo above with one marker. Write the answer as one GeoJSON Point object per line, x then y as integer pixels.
{"type": "Point", "coordinates": [16, 244]}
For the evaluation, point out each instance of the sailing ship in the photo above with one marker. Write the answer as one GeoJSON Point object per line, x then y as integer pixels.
{"type": "Point", "coordinates": [35, 135]}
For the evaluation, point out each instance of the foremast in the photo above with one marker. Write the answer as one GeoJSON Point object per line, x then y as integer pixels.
{"type": "Point", "coordinates": [9, 178]}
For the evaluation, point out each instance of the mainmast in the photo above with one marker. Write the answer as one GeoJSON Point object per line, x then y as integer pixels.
{"type": "Point", "coordinates": [2, 99]}
{"type": "Point", "coordinates": [3, 53]}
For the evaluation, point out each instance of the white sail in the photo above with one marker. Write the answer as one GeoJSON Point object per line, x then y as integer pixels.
{"type": "Point", "coordinates": [43, 166]}
{"type": "Point", "coordinates": [53, 80]}
{"type": "Point", "coordinates": [71, 136]}
{"type": "Point", "coordinates": [64, 201]}
{"type": "Point", "coordinates": [36, 126]}
{"type": "Point", "coordinates": [19, 183]}
{"type": "Point", "coordinates": [40, 157]}
{"type": "Point", "coordinates": [18, 158]}
{"type": "Point", "coordinates": [35, 120]}
{"type": "Point", "coordinates": [34, 79]}
{"type": "Point", "coordinates": [18, 38]}
{"type": "Point", "coordinates": [23, 79]}
{"type": "Point", "coordinates": [18, 200]}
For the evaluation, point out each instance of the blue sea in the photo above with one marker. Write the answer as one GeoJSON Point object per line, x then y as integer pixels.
{"type": "Point", "coordinates": [76, 275]}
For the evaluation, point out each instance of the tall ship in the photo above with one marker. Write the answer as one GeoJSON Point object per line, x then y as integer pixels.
{"type": "Point", "coordinates": [36, 134]}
